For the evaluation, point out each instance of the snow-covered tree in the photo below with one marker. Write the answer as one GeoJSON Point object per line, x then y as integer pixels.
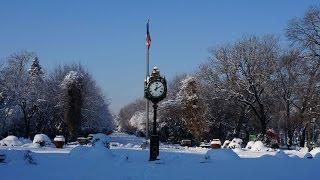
{"type": "Point", "coordinates": [36, 96]}
{"type": "Point", "coordinates": [172, 127]}
{"type": "Point", "coordinates": [31, 102]}
{"type": "Point", "coordinates": [72, 86]}
{"type": "Point", "coordinates": [126, 113]}
{"type": "Point", "coordinates": [138, 121]}
{"type": "Point", "coordinates": [95, 113]}
{"type": "Point", "coordinates": [193, 107]}
{"type": "Point", "coordinates": [16, 87]}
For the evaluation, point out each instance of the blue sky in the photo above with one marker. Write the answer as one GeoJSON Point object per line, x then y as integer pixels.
{"type": "Point", "coordinates": [108, 37]}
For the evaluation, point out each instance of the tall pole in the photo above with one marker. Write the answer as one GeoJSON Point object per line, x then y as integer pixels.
{"type": "Point", "coordinates": [147, 101]}
{"type": "Point", "coordinates": [148, 43]}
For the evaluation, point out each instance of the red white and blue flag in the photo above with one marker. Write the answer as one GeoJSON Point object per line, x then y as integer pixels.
{"type": "Point", "coordinates": [148, 39]}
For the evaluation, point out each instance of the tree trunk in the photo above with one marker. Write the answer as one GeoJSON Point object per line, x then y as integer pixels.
{"type": "Point", "coordinates": [263, 123]}
{"type": "Point", "coordinates": [26, 121]}
{"type": "Point", "coordinates": [289, 125]}
{"type": "Point", "coordinates": [303, 137]}
{"type": "Point", "coordinates": [290, 138]}
{"type": "Point", "coordinates": [239, 125]}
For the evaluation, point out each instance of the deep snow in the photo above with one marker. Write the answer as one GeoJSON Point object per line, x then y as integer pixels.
{"type": "Point", "coordinates": [131, 162]}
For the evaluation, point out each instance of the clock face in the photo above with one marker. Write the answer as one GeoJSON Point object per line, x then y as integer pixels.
{"type": "Point", "coordinates": [156, 89]}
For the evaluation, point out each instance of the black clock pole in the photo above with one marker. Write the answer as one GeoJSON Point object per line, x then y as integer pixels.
{"type": "Point", "coordinates": [154, 138]}
{"type": "Point", "coordinates": [161, 87]}
{"type": "Point", "coordinates": [155, 107]}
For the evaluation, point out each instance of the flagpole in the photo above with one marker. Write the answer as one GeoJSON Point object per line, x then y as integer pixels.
{"type": "Point", "coordinates": [147, 101]}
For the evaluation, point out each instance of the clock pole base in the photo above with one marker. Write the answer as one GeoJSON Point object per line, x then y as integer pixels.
{"type": "Point", "coordinates": [154, 147]}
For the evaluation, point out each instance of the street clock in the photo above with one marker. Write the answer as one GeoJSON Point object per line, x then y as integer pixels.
{"type": "Point", "coordinates": [155, 91]}
{"type": "Point", "coordinates": [156, 87]}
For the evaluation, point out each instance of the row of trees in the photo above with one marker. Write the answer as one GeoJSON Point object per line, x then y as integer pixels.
{"type": "Point", "coordinates": [66, 101]}
{"type": "Point", "coordinates": [246, 87]}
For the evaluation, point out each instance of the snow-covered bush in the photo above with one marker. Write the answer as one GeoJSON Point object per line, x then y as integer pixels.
{"type": "Point", "coordinates": [221, 154]}
{"type": "Point", "coordinates": [258, 146]}
{"type": "Point", "coordinates": [249, 144]}
{"type": "Point", "coordinates": [235, 143]}
{"type": "Point", "coordinates": [42, 140]}
{"type": "Point", "coordinates": [11, 141]}
{"type": "Point", "coordinates": [226, 144]}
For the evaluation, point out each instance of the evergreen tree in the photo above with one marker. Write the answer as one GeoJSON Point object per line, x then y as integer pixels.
{"type": "Point", "coordinates": [36, 100]}
{"type": "Point", "coordinates": [35, 69]}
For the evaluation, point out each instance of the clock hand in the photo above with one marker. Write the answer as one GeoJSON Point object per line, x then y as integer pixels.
{"type": "Point", "coordinates": [157, 88]}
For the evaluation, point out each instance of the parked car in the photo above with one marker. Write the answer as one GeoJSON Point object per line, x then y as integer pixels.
{"type": "Point", "coordinates": [186, 142]}
{"type": "Point", "coordinates": [205, 144]}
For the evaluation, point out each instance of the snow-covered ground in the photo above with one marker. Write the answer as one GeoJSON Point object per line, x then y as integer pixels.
{"type": "Point", "coordinates": [125, 161]}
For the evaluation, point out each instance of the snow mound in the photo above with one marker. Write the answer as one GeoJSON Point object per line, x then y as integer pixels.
{"type": "Point", "coordinates": [258, 146]}
{"type": "Point", "coordinates": [221, 154]}
{"type": "Point", "coordinates": [18, 156]}
{"type": "Point", "coordinates": [11, 141]}
{"type": "Point", "coordinates": [249, 144]}
{"type": "Point", "coordinates": [235, 143]}
{"type": "Point", "coordinates": [100, 139]}
{"type": "Point", "coordinates": [42, 140]}
{"type": "Point", "coordinates": [315, 153]}
{"type": "Point", "coordinates": [308, 156]}
{"type": "Point", "coordinates": [90, 153]}
{"type": "Point", "coordinates": [129, 145]}
{"type": "Point", "coordinates": [281, 154]}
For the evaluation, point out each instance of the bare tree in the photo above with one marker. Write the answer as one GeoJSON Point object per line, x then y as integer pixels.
{"type": "Point", "coordinates": [243, 71]}
{"type": "Point", "coordinates": [287, 79]}
{"type": "Point", "coordinates": [305, 34]}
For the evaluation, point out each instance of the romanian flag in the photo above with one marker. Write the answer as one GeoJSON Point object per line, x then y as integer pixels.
{"type": "Point", "coordinates": [148, 39]}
